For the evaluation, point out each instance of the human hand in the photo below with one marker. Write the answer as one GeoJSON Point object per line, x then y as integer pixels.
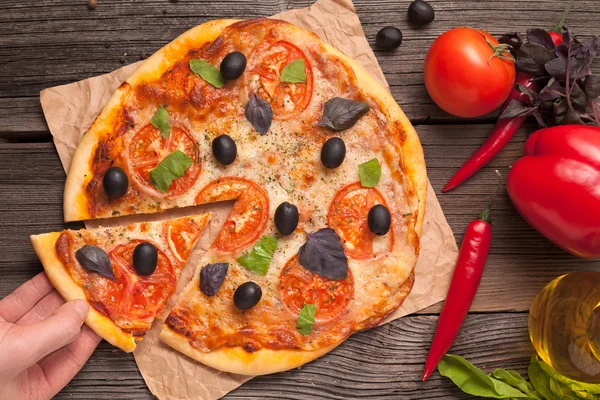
{"type": "Point", "coordinates": [42, 341]}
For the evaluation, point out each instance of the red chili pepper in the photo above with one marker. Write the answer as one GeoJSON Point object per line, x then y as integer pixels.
{"type": "Point", "coordinates": [465, 281]}
{"type": "Point", "coordinates": [504, 130]}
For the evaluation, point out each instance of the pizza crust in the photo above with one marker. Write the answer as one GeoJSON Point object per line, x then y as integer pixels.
{"type": "Point", "coordinates": [45, 248]}
{"type": "Point", "coordinates": [236, 360]}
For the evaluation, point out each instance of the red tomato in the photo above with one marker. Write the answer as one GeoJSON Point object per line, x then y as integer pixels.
{"type": "Point", "coordinates": [181, 235]}
{"type": "Point", "coordinates": [461, 75]}
{"type": "Point", "coordinates": [348, 216]}
{"type": "Point", "coordinates": [148, 148]}
{"type": "Point", "coordinates": [299, 286]}
{"type": "Point", "coordinates": [248, 217]}
{"type": "Point", "coordinates": [287, 99]}
{"type": "Point", "coordinates": [557, 38]}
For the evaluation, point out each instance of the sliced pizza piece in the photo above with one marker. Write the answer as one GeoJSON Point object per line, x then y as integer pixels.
{"type": "Point", "coordinates": [126, 273]}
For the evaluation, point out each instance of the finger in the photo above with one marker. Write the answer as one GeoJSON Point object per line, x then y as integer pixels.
{"type": "Point", "coordinates": [43, 309]}
{"type": "Point", "coordinates": [34, 341]}
{"type": "Point", "coordinates": [16, 304]}
{"type": "Point", "coordinates": [62, 365]}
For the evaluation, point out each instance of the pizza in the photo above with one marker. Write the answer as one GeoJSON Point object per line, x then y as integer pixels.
{"type": "Point", "coordinates": [326, 171]}
{"type": "Point", "coordinates": [125, 273]}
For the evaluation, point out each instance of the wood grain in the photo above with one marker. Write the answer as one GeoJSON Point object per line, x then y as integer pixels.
{"type": "Point", "coordinates": [53, 42]}
{"type": "Point", "coordinates": [383, 363]}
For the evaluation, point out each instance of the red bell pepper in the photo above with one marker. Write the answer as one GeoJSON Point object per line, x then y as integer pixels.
{"type": "Point", "coordinates": [556, 187]}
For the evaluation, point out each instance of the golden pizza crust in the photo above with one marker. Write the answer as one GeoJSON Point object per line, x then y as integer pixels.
{"type": "Point", "coordinates": [45, 248]}
{"type": "Point", "coordinates": [235, 359]}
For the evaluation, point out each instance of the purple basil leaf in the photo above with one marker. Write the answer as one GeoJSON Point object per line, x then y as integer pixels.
{"type": "Point", "coordinates": [591, 87]}
{"type": "Point", "coordinates": [578, 98]}
{"type": "Point", "coordinates": [560, 109]}
{"type": "Point", "coordinates": [259, 114]}
{"type": "Point", "coordinates": [212, 277]}
{"type": "Point", "coordinates": [558, 68]}
{"type": "Point", "coordinates": [531, 59]}
{"type": "Point", "coordinates": [539, 119]}
{"type": "Point", "coordinates": [572, 117]}
{"type": "Point", "coordinates": [514, 39]}
{"type": "Point", "coordinates": [551, 91]}
{"type": "Point", "coordinates": [323, 254]}
{"type": "Point", "coordinates": [340, 114]}
{"type": "Point", "coordinates": [562, 51]}
{"type": "Point", "coordinates": [96, 260]}
{"type": "Point", "coordinates": [515, 108]}
{"type": "Point", "coordinates": [527, 91]}
{"type": "Point", "coordinates": [540, 37]}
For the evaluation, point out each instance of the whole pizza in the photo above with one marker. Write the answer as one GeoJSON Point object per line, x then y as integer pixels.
{"type": "Point", "coordinates": [329, 184]}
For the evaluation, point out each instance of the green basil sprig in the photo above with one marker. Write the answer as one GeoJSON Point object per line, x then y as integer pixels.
{"type": "Point", "coordinates": [369, 173]}
{"type": "Point", "coordinates": [506, 384]}
{"type": "Point", "coordinates": [293, 72]}
{"type": "Point", "coordinates": [208, 72]}
{"type": "Point", "coordinates": [170, 168]}
{"type": "Point", "coordinates": [306, 319]}
{"type": "Point", "coordinates": [160, 121]}
{"type": "Point", "coordinates": [259, 258]}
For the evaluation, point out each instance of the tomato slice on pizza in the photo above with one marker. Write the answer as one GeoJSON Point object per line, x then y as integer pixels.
{"type": "Point", "coordinates": [249, 215]}
{"type": "Point", "coordinates": [127, 273]}
{"type": "Point", "coordinates": [348, 216]}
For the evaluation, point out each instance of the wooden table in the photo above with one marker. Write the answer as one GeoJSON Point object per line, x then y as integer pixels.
{"type": "Point", "coordinates": [51, 42]}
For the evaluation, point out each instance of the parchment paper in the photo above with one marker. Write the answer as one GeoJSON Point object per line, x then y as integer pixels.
{"type": "Point", "coordinates": [70, 110]}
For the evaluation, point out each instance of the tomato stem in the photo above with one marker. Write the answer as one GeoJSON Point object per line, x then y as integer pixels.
{"type": "Point", "coordinates": [560, 28]}
{"type": "Point", "coordinates": [500, 51]}
{"type": "Point", "coordinates": [486, 213]}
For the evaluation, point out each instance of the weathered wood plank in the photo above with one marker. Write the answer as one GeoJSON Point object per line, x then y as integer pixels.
{"type": "Point", "coordinates": [54, 42]}
{"type": "Point", "coordinates": [384, 363]}
{"type": "Point", "coordinates": [520, 264]}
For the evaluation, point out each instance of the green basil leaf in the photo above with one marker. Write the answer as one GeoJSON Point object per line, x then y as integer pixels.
{"type": "Point", "coordinates": [208, 72]}
{"type": "Point", "coordinates": [514, 379]}
{"type": "Point", "coordinates": [369, 173]}
{"type": "Point", "coordinates": [259, 258]}
{"type": "Point", "coordinates": [474, 381]}
{"type": "Point", "coordinates": [293, 72]}
{"type": "Point", "coordinates": [552, 385]}
{"type": "Point", "coordinates": [171, 167]}
{"type": "Point", "coordinates": [160, 121]}
{"type": "Point", "coordinates": [306, 319]}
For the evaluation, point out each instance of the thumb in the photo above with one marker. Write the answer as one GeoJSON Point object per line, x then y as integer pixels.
{"type": "Point", "coordinates": [36, 341]}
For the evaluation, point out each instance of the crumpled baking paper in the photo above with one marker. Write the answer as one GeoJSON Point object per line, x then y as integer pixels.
{"type": "Point", "coordinates": [70, 110]}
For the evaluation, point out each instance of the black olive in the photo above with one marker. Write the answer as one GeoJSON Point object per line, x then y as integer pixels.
{"type": "Point", "coordinates": [379, 219]}
{"type": "Point", "coordinates": [333, 152]}
{"type": "Point", "coordinates": [145, 258]}
{"type": "Point", "coordinates": [247, 295]}
{"type": "Point", "coordinates": [286, 218]}
{"type": "Point", "coordinates": [233, 65]}
{"type": "Point", "coordinates": [115, 182]}
{"type": "Point", "coordinates": [224, 149]}
{"type": "Point", "coordinates": [420, 12]}
{"type": "Point", "coordinates": [388, 38]}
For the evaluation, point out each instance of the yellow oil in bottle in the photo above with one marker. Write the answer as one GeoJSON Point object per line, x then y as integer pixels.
{"type": "Point", "coordinates": [564, 325]}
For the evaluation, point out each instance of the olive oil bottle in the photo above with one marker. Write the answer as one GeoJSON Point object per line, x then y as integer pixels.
{"type": "Point", "coordinates": [564, 325]}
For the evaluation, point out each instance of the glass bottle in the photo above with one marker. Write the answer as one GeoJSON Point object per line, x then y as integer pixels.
{"type": "Point", "coordinates": [564, 325]}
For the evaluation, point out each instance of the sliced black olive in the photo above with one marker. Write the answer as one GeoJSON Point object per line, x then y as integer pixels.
{"type": "Point", "coordinates": [388, 38]}
{"type": "Point", "coordinates": [247, 295]}
{"type": "Point", "coordinates": [286, 218]}
{"type": "Point", "coordinates": [115, 182]}
{"type": "Point", "coordinates": [233, 65]}
{"type": "Point", "coordinates": [224, 149]}
{"type": "Point", "coordinates": [145, 258]}
{"type": "Point", "coordinates": [333, 152]}
{"type": "Point", "coordinates": [420, 12]}
{"type": "Point", "coordinates": [379, 219]}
